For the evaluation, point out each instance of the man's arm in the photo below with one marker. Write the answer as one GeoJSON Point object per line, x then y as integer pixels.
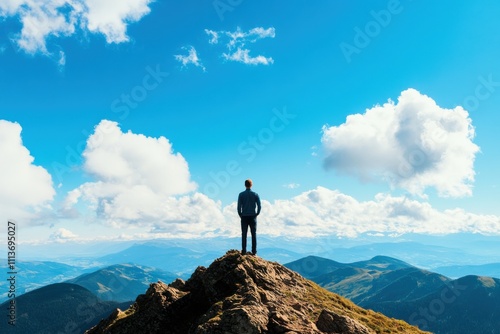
{"type": "Point", "coordinates": [240, 205]}
{"type": "Point", "coordinates": [257, 200]}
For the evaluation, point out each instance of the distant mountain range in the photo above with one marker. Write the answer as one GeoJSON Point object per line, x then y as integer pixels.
{"type": "Point", "coordinates": [57, 308]}
{"type": "Point", "coordinates": [79, 303]}
{"type": "Point", "coordinates": [385, 284]}
{"type": "Point", "coordinates": [470, 304]}
{"type": "Point", "coordinates": [456, 271]}
{"type": "Point", "coordinates": [181, 257]}
{"type": "Point", "coordinates": [122, 282]}
{"type": "Point", "coordinates": [418, 254]}
{"type": "Point", "coordinates": [431, 301]}
{"type": "Point", "coordinates": [171, 261]}
{"type": "Point", "coordinates": [179, 260]}
{"type": "Point", "coordinates": [423, 251]}
{"type": "Point", "coordinates": [36, 274]}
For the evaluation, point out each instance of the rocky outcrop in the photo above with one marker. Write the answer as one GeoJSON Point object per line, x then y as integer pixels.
{"type": "Point", "coordinates": [244, 294]}
{"type": "Point", "coordinates": [331, 322]}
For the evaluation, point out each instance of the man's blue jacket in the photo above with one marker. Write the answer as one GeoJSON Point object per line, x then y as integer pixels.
{"type": "Point", "coordinates": [247, 201]}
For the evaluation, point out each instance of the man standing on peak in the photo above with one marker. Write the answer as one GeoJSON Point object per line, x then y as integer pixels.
{"type": "Point", "coordinates": [247, 201]}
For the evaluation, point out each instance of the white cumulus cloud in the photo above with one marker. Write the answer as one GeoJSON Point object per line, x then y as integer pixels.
{"type": "Point", "coordinates": [41, 19]}
{"type": "Point", "coordinates": [111, 17]}
{"type": "Point", "coordinates": [413, 144]}
{"type": "Point", "coordinates": [141, 182]}
{"type": "Point", "coordinates": [25, 188]}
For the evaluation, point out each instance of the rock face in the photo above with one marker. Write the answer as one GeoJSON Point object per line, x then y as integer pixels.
{"type": "Point", "coordinates": [244, 294]}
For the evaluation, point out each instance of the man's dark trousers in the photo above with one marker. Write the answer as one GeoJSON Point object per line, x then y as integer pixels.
{"type": "Point", "coordinates": [249, 221]}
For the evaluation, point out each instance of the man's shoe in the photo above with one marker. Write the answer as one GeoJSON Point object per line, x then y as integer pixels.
{"type": "Point", "coordinates": [243, 252]}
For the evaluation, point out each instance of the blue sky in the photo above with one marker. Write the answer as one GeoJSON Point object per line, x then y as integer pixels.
{"type": "Point", "coordinates": [144, 118]}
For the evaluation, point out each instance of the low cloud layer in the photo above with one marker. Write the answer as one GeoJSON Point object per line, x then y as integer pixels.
{"type": "Point", "coordinates": [313, 213]}
{"type": "Point", "coordinates": [323, 211]}
{"type": "Point", "coordinates": [413, 144]}
{"type": "Point", "coordinates": [25, 189]}
{"type": "Point", "coordinates": [41, 20]}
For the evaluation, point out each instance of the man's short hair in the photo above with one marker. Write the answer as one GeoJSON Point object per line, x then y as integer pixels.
{"type": "Point", "coordinates": [248, 183]}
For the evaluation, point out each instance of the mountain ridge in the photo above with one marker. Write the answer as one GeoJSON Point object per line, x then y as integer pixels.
{"type": "Point", "coordinates": [121, 282]}
{"type": "Point", "coordinates": [57, 308]}
{"type": "Point", "coordinates": [245, 294]}
{"type": "Point", "coordinates": [469, 304]}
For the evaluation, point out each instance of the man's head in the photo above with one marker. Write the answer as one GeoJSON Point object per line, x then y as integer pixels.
{"type": "Point", "coordinates": [248, 183]}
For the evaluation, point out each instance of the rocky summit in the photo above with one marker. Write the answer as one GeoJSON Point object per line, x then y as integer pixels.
{"type": "Point", "coordinates": [245, 294]}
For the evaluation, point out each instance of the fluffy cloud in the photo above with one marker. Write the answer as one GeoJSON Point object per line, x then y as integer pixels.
{"type": "Point", "coordinates": [237, 41]}
{"type": "Point", "coordinates": [413, 144]}
{"type": "Point", "coordinates": [42, 19]}
{"type": "Point", "coordinates": [25, 189]}
{"type": "Point", "coordinates": [141, 182]}
{"type": "Point", "coordinates": [110, 17]}
{"type": "Point", "coordinates": [191, 215]}
{"type": "Point", "coordinates": [190, 58]}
